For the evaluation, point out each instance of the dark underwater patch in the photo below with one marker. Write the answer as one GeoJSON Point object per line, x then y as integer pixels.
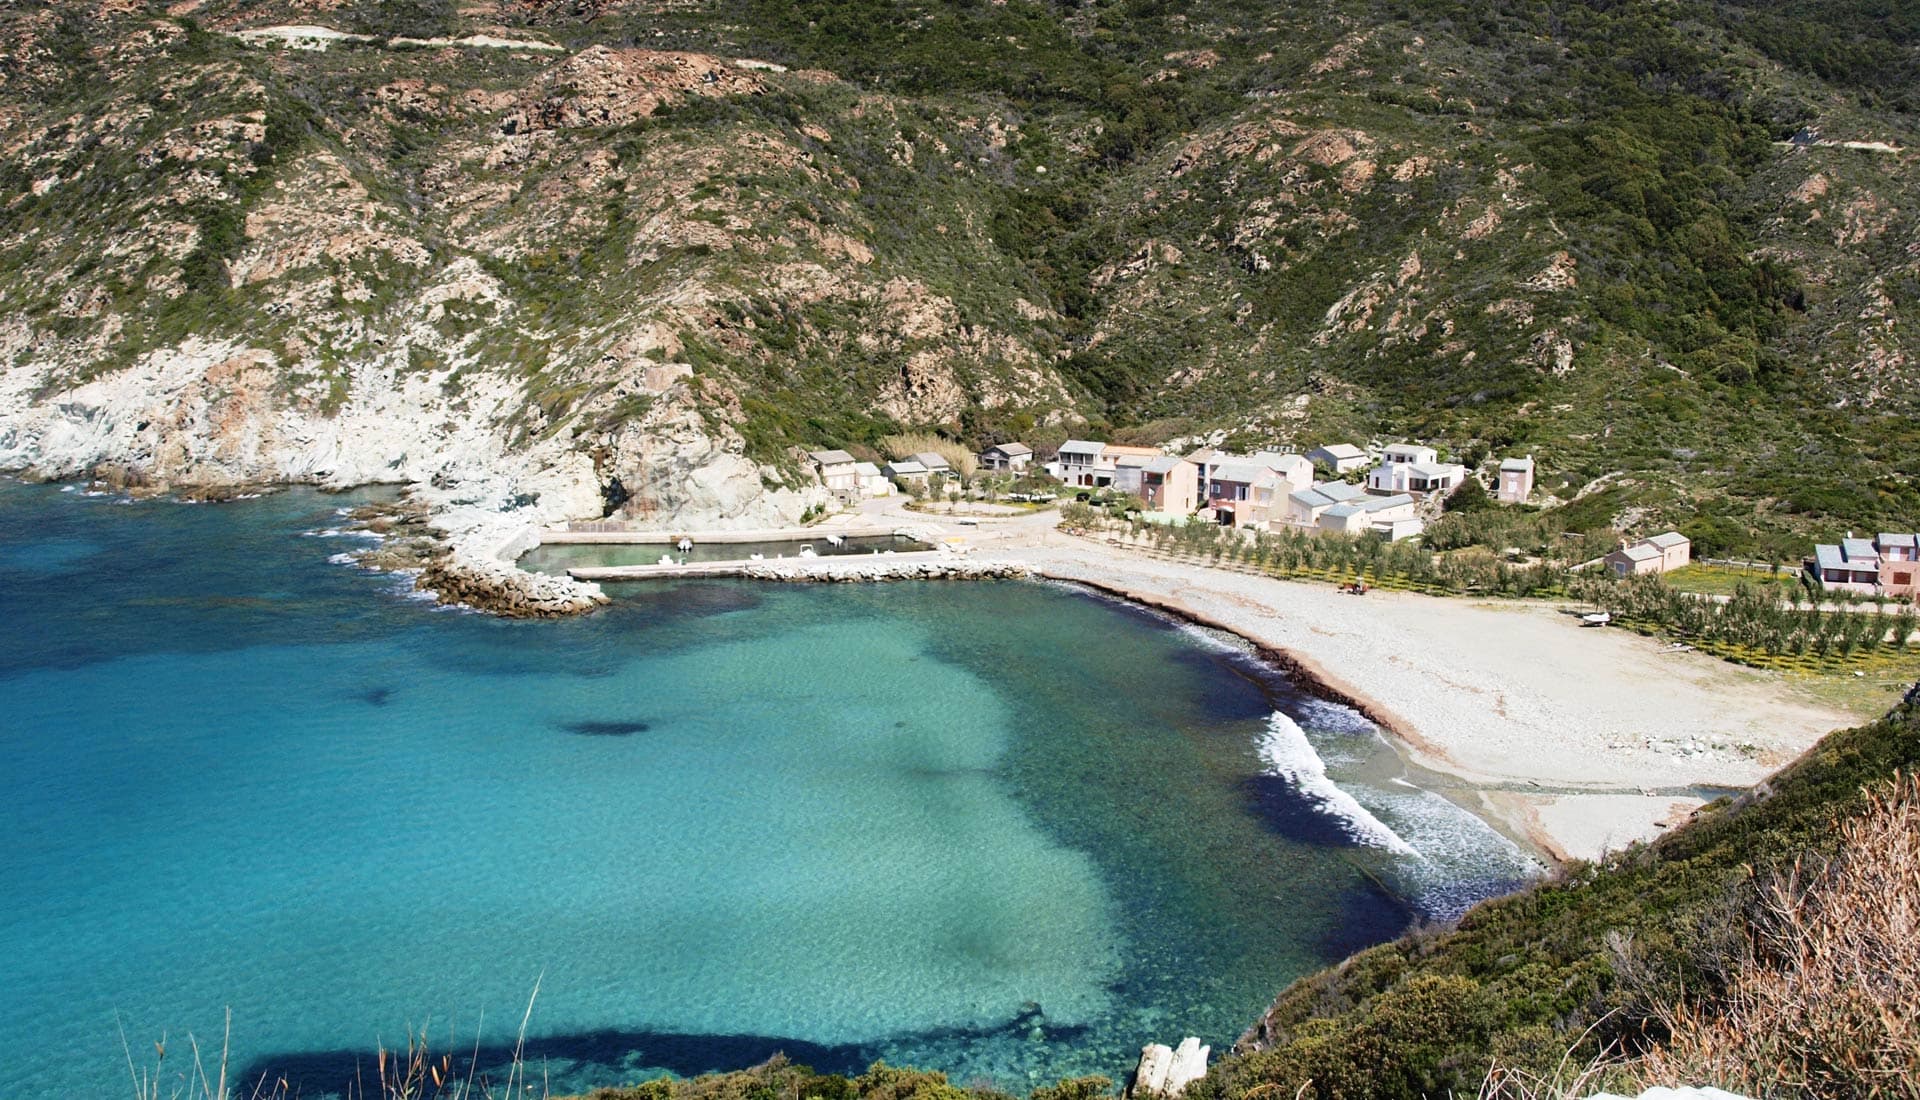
{"type": "Point", "coordinates": [684, 1055]}
{"type": "Point", "coordinates": [1280, 806]}
{"type": "Point", "coordinates": [606, 729]}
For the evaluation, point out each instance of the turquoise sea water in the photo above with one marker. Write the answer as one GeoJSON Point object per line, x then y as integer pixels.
{"type": "Point", "coordinates": [1006, 830]}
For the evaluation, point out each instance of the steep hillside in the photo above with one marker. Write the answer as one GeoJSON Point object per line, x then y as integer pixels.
{"type": "Point", "coordinates": [622, 254]}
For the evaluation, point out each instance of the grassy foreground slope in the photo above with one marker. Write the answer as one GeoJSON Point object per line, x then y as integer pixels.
{"type": "Point", "coordinates": [1586, 962]}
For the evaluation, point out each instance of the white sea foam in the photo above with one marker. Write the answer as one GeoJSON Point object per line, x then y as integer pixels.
{"type": "Point", "coordinates": [1291, 756]}
{"type": "Point", "coordinates": [69, 488]}
{"type": "Point", "coordinates": [1220, 641]}
{"type": "Point", "coordinates": [1319, 714]}
{"type": "Point", "coordinates": [1463, 857]}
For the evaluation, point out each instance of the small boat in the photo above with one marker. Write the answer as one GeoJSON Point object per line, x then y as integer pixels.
{"type": "Point", "coordinates": [684, 545]}
{"type": "Point", "coordinates": [836, 540]}
{"type": "Point", "coordinates": [666, 559]}
{"type": "Point", "coordinates": [808, 551]}
{"type": "Point", "coordinates": [1598, 618]}
{"type": "Point", "coordinates": [756, 557]}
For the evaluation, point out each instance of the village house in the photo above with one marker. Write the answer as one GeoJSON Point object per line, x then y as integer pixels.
{"type": "Point", "coordinates": [873, 483]}
{"type": "Point", "coordinates": [1241, 494]}
{"type": "Point", "coordinates": [1899, 564]}
{"type": "Point", "coordinates": [1394, 518]}
{"type": "Point", "coordinates": [1341, 458]}
{"type": "Point", "coordinates": [1415, 470]}
{"type": "Point", "coordinates": [1516, 480]}
{"type": "Point", "coordinates": [1090, 464]}
{"type": "Point", "coordinates": [1007, 458]}
{"type": "Point", "coordinates": [1077, 460]}
{"type": "Point", "coordinates": [1170, 484]}
{"type": "Point", "coordinates": [836, 470]}
{"type": "Point", "coordinates": [1249, 490]}
{"type": "Point", "coordinates": [1883, 566]}
{"type": "Point", "coordinates": [935, 463]}
{"type": "Point", "coordinates": [1126, 472]}
{"type": "Point", "coordinates": [1304, 506]}
{"type": "Point", "coordinates": [1658, 554]}
{"type": "Point", "coordinates": [905, 471]}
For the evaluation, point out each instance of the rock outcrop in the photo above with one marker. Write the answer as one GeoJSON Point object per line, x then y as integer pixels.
{"type": "Point", "coordinates": [488, 585]}
{"type": "Point", "coordinates": [1165, 1072]}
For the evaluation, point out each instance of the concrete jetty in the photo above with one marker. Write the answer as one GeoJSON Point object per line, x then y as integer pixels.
{"type": "Point", "coordinates": [587, 535]}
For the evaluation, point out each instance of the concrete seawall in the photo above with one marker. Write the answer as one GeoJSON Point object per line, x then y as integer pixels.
{"type": "Point", "coordinates": [557, 536]}
{"type": "Point", "coordinates": [848, 569]}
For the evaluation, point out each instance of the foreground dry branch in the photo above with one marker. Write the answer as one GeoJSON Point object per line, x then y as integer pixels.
{"type": "Point", "coordinates": [1827, 1002]}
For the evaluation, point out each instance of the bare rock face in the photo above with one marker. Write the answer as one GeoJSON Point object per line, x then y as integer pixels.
{"type": "Point", "coordinates": [677, 466]}
{"type": "Point", "coordinates": [600, 86]}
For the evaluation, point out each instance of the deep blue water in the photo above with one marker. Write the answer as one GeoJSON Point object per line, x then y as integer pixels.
{"type": "Point", "coordinates": [1006, 830]}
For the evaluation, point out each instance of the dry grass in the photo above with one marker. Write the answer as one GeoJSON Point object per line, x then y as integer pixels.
{"type": "Point", "coordinates": [1827, 1000]}
{"type": "Point", "coordinates": [1569, 1080]}
{"type": "Point", "coordinates": [963, 461]}
{"type": "Point", "coordinates": [416, 1073]}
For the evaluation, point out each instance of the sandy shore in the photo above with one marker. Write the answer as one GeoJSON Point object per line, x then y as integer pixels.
{"type": "Point", "coordinates": [1572, 739]}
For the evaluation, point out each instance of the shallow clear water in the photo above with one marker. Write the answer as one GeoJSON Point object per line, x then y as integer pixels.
{"type": "Point", "coordinates": [1006, 830]}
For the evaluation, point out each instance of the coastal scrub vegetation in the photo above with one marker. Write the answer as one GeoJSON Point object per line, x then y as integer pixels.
{"type": "Point", "coordinates": [1636, 957]}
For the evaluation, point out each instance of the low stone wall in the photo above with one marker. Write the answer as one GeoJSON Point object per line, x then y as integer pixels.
{"type": "Point", "coordinates": [866, 570]}
{"type": "Point", "coordinates": [499, 587]}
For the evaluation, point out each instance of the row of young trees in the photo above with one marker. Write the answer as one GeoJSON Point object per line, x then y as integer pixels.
{"type": "Point", "coordinates": [1753, 620]}
{"type": "Point", "coordinates": [1319, 554]}
{"type": "Point", "coordinates": [1754, 623]}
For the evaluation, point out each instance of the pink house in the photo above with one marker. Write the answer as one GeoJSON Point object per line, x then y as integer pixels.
{"type": "Point", "coordinates": [1899, 564]}
{"type": "Point", "coordinates": [1170, 484]}
{"type": "Point", "coordinates": [1885, 566]}
{"type": "Point", "coordinates": [1658, 554]}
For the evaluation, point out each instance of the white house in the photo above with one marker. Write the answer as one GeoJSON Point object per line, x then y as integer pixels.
{"type": "Point", "coordinates": [873, 483]}
{"type": "Point", "coordinates": [1304, 506]}
{"type": "Point", "coordinates": [1516, 480]}
{"type": "Point", "coordinates": [906, 470]}
{"type": "Point", "coordinates": [1393, 517]}
{"type": "Point", "coordinates": [1078, 461]}
{"type": "Point", "coordinates": [836, 471]}
{"type": "Point", "coordinates": [935, 463]}
{"type": "Point", "coordinates": [1339, 457]}
{"type": "Point", "coordinates": [1250, 490]}
{"type": "Point", "coordinates": [1415, 470]}
{"type": "Point", "coordinates": [1010, 458]}
{"type": "Point", "coordinates": [1088, 463]}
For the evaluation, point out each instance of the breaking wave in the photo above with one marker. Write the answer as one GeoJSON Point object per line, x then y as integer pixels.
{"type": "Point", "coordinates": [1289, 755]}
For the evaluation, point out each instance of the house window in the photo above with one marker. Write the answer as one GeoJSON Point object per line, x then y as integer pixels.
{"type": "Point", "coordinates": [1903, 578]}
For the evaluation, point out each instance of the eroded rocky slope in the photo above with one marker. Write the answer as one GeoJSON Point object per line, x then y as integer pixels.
{"type": "Point", "coordinates": [551, 259]}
